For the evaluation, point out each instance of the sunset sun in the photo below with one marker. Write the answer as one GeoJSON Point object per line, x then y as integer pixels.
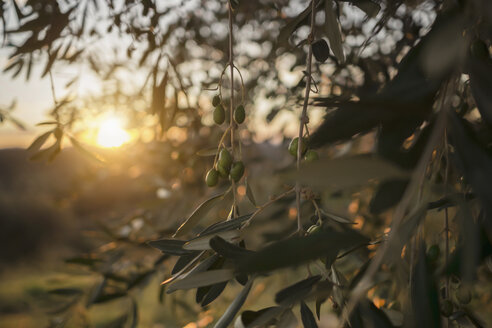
{"type": "Point", "coordinates": [112, 133]}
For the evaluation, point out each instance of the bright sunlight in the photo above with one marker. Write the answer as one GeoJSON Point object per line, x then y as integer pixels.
{"type": "Point", "coordinates": [111, 133]}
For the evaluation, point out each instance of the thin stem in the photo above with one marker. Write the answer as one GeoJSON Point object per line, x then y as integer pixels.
{"type": "Point", "coordinates": [231, 102]}
{"type": "Point", "coordinates": [262, 207]}
{"type": "Point", "coordinates": [446, 219]}
{"type": "Point", "coordinates": [303, 118]}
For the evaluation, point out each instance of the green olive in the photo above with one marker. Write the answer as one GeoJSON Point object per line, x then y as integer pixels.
{"type": "Point", "coordinates": [223, 171]}
{"type": "Point", "coordinates": [239, 114]}
{"type": "Point", "coordinates": [219, 115]}
{"type": "Point", "coordinates": [225, 159]}
{"type": "Point", "coordinates": [446, 308]}
{"type": "Point", "coordinates": [313, 229]}
{"type": "Point", "coordinates": [311, 156]}
{"type": "Point", "coordinates": [212, 178]}
{"type": "Point", "coordinates": [216, 101]}
{"type": "Point", "coordinates": [237, 171]}
{"type": "Point", "coordinates": [294, 144]}
{"type": "Point", "coordinates": [463, 295]}
{"type": "Point", "coordinates": [433, 253]}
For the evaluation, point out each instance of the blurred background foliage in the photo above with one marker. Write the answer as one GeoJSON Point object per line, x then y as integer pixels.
{"type": "Point", "coordinates": [75, 218]}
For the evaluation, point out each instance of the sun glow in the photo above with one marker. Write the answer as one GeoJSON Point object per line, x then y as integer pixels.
{"type": "Point", "coordinates": [111, 133]}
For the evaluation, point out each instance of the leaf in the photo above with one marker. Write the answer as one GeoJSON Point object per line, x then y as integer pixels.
{"type": "Point", "coordinates": [297, 250]}
{"type": "Point", "coordinates": [425, 299]}
{"type": "Point", "coordinates": [370, 315]}
{"type": "Point", "coordinates": [214, 292]}
{"type": "Point", "coordinates": [473, 161]}
{"type": "Point", "coordinates": [287, 319]}
{"type": "Point", "coordinates": [447, 44]}
{"type": "Point", "coordinates": [170, 246]}
{"type": "Point", "coordinates": [292, 25]}
{"type": "Point", "coordinates": [333, 32]}
{"type": "Point", "coordinates": [198, 214]}
{"type": "Point", "coordinates": [203, 242]}
{"type": "Point", "coordinates": [17, 123]}
{"type": "Point", "coordinates": [207, 152]}
{"type": "Point", "coordinates": [249, 193]}
{"type": "Point", "coordinates": [345, 172]}
{"type": "Point", "coordinates": [480, 71]}
{"type": "Point", "coordinates": [307, 317]}
{"type": "Point", "coordinates": [297, 291]}
{"type": "Point", "coordinates": [201, 279]}
{"type": "Point", "coordinates": [247, 317]}
{"type": "Point", "coordinates": [234, 307]}
{"type": "Point", "coordinates": [388, 194]}
{"type": "Point", "coordinates": [77, 145]}
{"type": "Point", "coordinates": [134, 322]}
{"type": "Point", "coordinates": [267, 316]}
{"type": "Point", "coordinates": [228, 250]}
{"type": "Point", "coordinates": [183, 261]}
{"type": "Point", "coordinates": [65, 291]}
{"type": "Point", "coordinates": [225, 225]}
{"type": "Point", "coordinates": [39, 142]}
{"type": "Point", "coordinates": [321, 51]}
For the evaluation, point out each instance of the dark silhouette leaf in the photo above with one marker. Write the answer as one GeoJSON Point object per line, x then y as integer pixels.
{"type": "Point", "coordinates": [297, 250]}
{"type": "Point", "coordinates": [307, 317]}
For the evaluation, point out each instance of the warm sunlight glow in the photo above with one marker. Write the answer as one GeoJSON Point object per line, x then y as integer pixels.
{"type": "Point", "coordinates": [111, 133]}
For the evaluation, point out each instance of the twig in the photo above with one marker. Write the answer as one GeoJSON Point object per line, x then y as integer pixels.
{"type": "Point", "coordinates": [303, 118]}
{"type": "Point", "coordinates": [262, 207]}
{"type": "Point", "coordinates": [231, 103]}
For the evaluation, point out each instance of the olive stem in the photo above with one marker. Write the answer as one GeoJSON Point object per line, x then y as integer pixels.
{"type": "Point", "coordinates": [271, 201]}
{"type": "Point", "coordinates": [303, 117]}
{"type": "Point", "coordinates": [231, 103]}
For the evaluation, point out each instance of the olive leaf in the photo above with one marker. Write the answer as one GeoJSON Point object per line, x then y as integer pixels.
{"type": "Point", "coordinates": [307, 317]}
{"type": "Point", "coordinates": [170, 246]}
{"type": "Point", "coordinates": [228, 250]}
{"type": "Point", "coordinates": [297, 291]}
{"type": "Point", "coordinates": [297, 250]}
{"type": "Point", "coordinates": [203, 242]}
{"type": "Point", "coordinates": [333, 32]}
{"type": "Point", "coordinates": [39, 142]}
{"type": "Point", "coordinates": [198, 214]}
{"type": "Point", "coordinates": [249, 193]}
{"type": "Point", "coordinates": [345, 172]}
{"type": "Point", "coordinates": [234, 307]}
{"type": "Point", "coordinates": [425, 299]}
{"type": "Point", "coordinates": [200, 279]}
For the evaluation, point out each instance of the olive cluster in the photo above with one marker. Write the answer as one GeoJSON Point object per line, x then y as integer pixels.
{"type": "Point", "coordinates": [225, 167]}
{"type": "Point", "coordinates": [219, 112]}
{"type": "Point", "coordinates": [309, 154]}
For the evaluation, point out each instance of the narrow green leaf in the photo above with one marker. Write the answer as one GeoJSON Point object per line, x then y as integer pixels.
{"type": "Point", "coordinates": [200, 279]}
{"type": "Point", "coordinates": [297, 291]}
{"type": "Point", "coordinates": [228, 250]}
{"type": "Point", "coordinates": [234, 307]}
{"type": "Point", "coordinates": [198, 214]}
{"type": "Point", "coordinates": [345, 172]}
{"type": "Point", "coordinates": [333, 31]}
{"type": "Point", "coordinates": [203, 242]}
{"type": "Point", "coordinates": [170, 246]}
{"type": "Point", "coordinates": [307, 317]}
{"type": "Point", "coordinates": [297, 250]}
{"type": "Point", "coordinates": [225, 225]}
{"type": "Point", "coordinates": [39, 142]}
{"type": "Point", "coordinates": [249, 193]}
